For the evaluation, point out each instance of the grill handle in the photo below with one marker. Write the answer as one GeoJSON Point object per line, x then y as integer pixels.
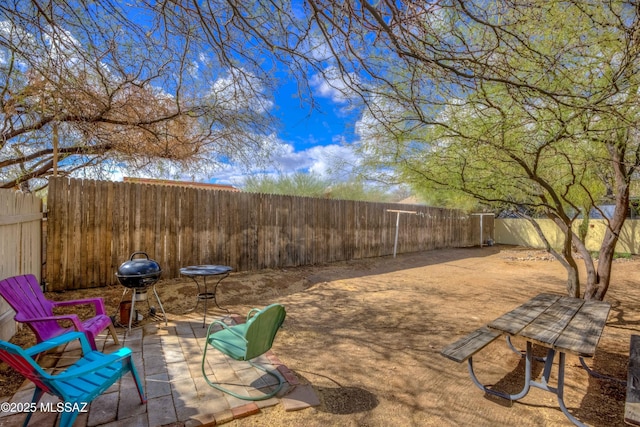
{"type": "Point", "coordinates": [138, 253]}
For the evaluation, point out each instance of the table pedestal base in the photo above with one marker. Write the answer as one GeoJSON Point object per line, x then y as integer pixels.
{"type": "Point", "coordinates": [204, 271]}
{"type": "Point", "coordinates": [206, 295]}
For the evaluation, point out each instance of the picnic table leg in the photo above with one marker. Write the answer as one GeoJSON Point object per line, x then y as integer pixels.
{"type": "Point", "coordinates": [560, 393]}
{"type": "Point", "coordinates": [598, 375]}
{"type": "Point", "coordinates": [527, 378]}
{"type": "Point", "coordinates": [528, 383]}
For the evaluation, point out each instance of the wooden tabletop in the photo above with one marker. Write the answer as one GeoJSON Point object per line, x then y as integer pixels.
{"type": "Point", "coordinates": [566, 324]}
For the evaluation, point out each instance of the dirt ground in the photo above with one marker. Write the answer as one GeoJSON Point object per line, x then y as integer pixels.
{"type": "Point", "coordinates": [367, 335]}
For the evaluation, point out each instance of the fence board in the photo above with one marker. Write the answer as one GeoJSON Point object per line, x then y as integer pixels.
{"type": "Point", "coordinates": [180, 226]}
{"type": "Point", "coordinates": [149, 219]}
{"type": "Point", "coordinates": [54, 238]}
{"type": "Point", "coordinates": [159, 229]}
{"type": "Point", "coordinates": [205, 227]}
{"type": "Point", "coordinates": [78, 241]}
{"type": "Point", "coordinates": [88, 271]}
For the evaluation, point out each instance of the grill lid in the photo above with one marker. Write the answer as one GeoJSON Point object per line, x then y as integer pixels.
{"type": "Point", "coordinates": [139, 272]}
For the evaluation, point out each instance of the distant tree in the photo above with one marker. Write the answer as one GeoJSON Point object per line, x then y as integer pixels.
{"type": "Point", "coordinates": [297, 184]}
{"type": "Point", "coordinates": [358, 189]}
{"type": "Point", "coordinates": [445, 197]}
{"type": "Point", "coordinates": [312, 185]}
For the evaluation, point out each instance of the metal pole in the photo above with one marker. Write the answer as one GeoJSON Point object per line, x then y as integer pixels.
{"type": "Point", "coordinates": [482, 215]}
{"type": "Point", "coordinates": [398, 212]}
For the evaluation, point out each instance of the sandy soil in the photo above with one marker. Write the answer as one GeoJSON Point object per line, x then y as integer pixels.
{"type": "Point", "coordinates": [367, 335]}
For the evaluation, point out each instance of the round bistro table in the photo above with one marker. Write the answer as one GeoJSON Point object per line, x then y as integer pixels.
{"type": "Point", "coordinates": [218, 271]}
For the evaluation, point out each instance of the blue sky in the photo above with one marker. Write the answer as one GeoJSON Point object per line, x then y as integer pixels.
{"type": "Point", "coordinates": [309, 139]}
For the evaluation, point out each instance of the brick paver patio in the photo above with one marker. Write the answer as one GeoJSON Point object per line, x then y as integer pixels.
{"type": "Point", "coordinates": [168, 359]}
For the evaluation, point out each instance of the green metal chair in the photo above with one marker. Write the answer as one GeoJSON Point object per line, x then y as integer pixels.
{"type": "Point", "coordinates": [247, 341]}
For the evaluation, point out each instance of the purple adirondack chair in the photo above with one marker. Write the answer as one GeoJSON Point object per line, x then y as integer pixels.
{"type": "Point", "coordinates": [24, 295]}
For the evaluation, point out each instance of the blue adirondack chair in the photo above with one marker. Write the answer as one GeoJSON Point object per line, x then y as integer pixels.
{"type": "Point", "coordinates": [80, 383]}
{"type": "Point", "coordinates": [247, 341]}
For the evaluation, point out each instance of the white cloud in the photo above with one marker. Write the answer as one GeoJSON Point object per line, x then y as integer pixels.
{"type": "Point", "coordinates": [331, 84]}
{"type": "Point", "coordinates": [240, 91]}
{"type": "Point", "coordinates": [319, 160]}
{"type": "Point", "coordinates": [318, 48]}
{"type": "Point", "coordinates": [333, 162]}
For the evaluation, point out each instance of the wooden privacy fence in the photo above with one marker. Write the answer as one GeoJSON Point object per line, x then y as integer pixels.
{"type": "Point", "coordinates": [94, 226]}
{"type": "Point", "coordinates": [20, 233]}
{"type": "Point", "coordinates": [21, 247]}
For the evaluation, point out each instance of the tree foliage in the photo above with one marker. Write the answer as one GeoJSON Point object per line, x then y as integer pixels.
{"type": "Point", "coordinates": [539, 119]}
{"type": "Point", "coordinates": [98, 86]}
{"type": "Point", "coordinates": [298, 184]}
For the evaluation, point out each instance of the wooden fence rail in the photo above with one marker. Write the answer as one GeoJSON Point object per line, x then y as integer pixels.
{"type": "Point", "coordinates": [94, 226]}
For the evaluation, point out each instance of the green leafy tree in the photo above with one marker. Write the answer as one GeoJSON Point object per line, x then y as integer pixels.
{"type": "Point", "coordinates": [312, 185]}
{"type": "Point", "coordinates": [297, 184]}
{"type": "Point", "coordinates": [542, 120]}
{"type": "Point", "coordinates": [358, 189]}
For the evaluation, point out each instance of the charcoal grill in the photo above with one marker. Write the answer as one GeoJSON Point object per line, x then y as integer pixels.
{"type": "Point", "coordinates": [138, 275]}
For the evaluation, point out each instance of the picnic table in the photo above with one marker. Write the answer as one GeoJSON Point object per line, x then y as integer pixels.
{"type": "Point", "coordinates": [559, 323]}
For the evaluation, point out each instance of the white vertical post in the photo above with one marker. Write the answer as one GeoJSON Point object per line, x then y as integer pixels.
{"type": "Point", "coordinates": [482, 215]}
{"type": "Point", "coordinates": [395, 244]}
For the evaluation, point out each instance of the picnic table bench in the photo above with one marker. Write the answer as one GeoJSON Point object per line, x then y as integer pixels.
{"type": "Point", "coordinates": [469, 345]}
{"type": "Point", "coordinates": [559, 323]}
{"type": "Point", "coordinates": [632, 403]}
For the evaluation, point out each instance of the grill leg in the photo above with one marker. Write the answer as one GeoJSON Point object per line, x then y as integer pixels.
{"type": "Point", "coordinates": [133, 303]}
{"type": "Point", "coordinates": [161, 307]}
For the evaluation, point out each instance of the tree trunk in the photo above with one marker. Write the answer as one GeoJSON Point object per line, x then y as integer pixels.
{"type": "Point", "coordinates": [573, 278]}
{"type": "Point", "coordinates": [566, 257]}
{"type": "Point", "coordinates": [587, 259]}
{"type": "Point", "coordinates": [598, 288]}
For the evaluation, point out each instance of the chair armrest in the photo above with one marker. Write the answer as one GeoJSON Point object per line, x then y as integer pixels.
{"type": "Point", "coordinates": [252, 312]}
{"type": "Point", "coordinates": [98, 303]}
{"type": "Point", "coordinates": [104, 361]}
{"type": "Point", "coordinates": [224, 326]}
{"type": "Point", "coordinates": [77, 324]}
{"type": "Point", "coordinates": [59, 340]}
